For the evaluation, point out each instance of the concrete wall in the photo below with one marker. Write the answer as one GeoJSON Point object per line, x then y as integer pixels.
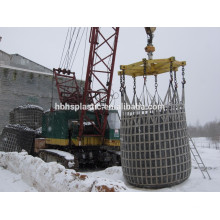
{"type": "Point", "coordinates": [31, 84]}
{"type": "Point", "coordinates": [4, 58]}
{"type": "Point", "coordinates": [24, 87]}
{"type": "Point", "coordinates": [16, 60]}
{"type": "Point", "coordinates": [22, 62]}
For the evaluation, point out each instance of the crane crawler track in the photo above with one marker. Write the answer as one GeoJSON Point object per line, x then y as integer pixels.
{"type": "Point", "coordinates": [49, 155]}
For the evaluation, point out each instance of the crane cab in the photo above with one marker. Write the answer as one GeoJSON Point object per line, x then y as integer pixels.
{"type": "Point", "coordinates": [61, 128]}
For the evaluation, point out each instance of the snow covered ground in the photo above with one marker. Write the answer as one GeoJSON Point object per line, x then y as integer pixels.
{"type": "Point", "coordinates": [53, 177]}
{"type": "Point", "coordinates": [195, 183]}
{"type": "Point", "coordinates": [11, 182]}
{"type": "Point", "coordinates": [22, 172]}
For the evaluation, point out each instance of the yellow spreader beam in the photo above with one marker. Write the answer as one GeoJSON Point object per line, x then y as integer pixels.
{"type": "Point", "coordinates": [153, 67]}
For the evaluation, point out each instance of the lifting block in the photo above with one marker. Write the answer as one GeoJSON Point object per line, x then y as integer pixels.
{"type": "Point", "coordinates": [153, 67]}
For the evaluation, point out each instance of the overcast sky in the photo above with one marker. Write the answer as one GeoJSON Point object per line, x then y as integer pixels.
{"type": "Point", "coordinates": [199, 47]}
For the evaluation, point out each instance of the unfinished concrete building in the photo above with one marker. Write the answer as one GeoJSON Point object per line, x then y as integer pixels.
{"type": "Point", "coordinates": [22, 82]}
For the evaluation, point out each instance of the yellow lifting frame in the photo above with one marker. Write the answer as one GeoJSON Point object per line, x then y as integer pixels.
{"type": "Point", "coordinates": [153, 67]}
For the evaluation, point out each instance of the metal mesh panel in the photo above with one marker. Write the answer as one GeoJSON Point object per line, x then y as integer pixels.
{"type": "Point", "coordinates": [11, 117]}
{"type": "Point", "coordinates": [16, 138]}
{"type": "Point", "coordinates": [155, 149]}
{"type": "Point", "coordinates": [29, 115]}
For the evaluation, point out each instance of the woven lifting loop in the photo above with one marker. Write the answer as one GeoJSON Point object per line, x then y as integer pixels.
{"type": "Point", "coordinates": [155, 150]}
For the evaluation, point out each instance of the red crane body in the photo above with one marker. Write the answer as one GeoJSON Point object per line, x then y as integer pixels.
{"type": "Point", "coordinates": [101, 61]}
{"type": "Point", "coordinates": [101, 96]}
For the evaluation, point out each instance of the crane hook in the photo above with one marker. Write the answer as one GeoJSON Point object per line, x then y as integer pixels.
{"type": "Point", "coordinates": [150, 48]}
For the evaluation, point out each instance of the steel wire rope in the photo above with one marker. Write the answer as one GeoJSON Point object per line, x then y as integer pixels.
{"type": "Point", "coordinates": [84, 54]}
{"type": "Point", "coordinates": [113, 98]}
{"type": "Point", "coordinates": [64, 47]}
{"type": "Point", "coordinates": [59, 64]}
{"type": "Point", "coordinates": [73, 48]}
{"type": "Point", "coordinates": [77, 49]}
{"type": "Point", "coordinates": [95, 59]}
{"type": "Point", "coordinates": [69, 49]}
{"type": "Point", "coordinates": [72, 61]}
{"type": "Point", "coordinates": [65, 61]}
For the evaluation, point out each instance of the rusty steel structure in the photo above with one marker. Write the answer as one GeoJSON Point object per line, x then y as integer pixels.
{"type": "Point", "coordinates": [67, 86]}
{"type": "Point", "coordinates": [99, 64]}
{"type": "Point", "coordinates": [94, 69]}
